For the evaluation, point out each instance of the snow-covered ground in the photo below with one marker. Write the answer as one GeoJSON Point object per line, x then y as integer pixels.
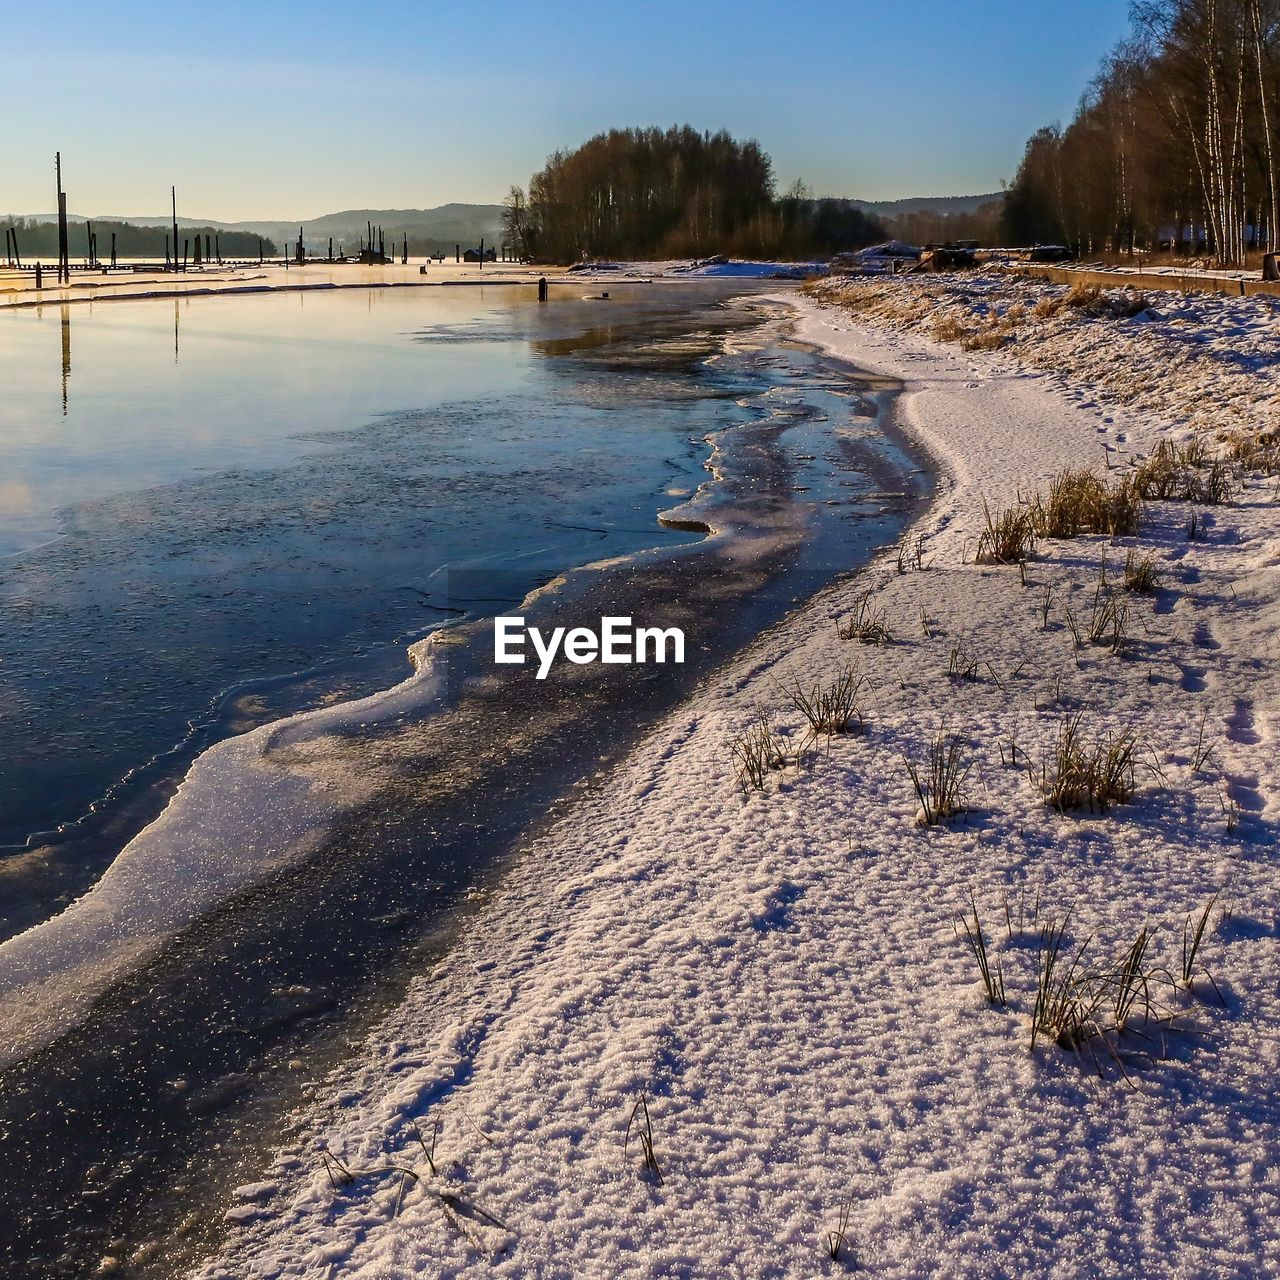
{"type": "Point", "coordinates": [782, 975]}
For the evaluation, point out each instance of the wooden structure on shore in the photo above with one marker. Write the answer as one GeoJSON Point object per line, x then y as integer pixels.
{"type": "Point", "coordinates": [1174, 282]}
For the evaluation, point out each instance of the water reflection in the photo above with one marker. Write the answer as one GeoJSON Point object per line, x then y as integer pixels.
{"type": "Point", "coordinates": [66, 353]}
{"type": "Point", "coordinates": [287, 496]}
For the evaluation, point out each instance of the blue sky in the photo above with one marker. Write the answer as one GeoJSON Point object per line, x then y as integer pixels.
{"type": "Point", "coordinates": [271, 110]}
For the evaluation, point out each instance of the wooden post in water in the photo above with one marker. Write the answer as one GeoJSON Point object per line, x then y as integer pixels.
{"type": "Point", "coordinates": [198, 260]}
{"type": "Point", "coordinates": [39, 276]}
{"type": "Point", "coordinates": [186, 248]}
{"type": "Point", "coordinates": [173, 196]}
{"type": "Point", "coordinates": [404, 257]}
{"type": "Point", "coordinates": [330, 248]}
{"type": "Point", "coordinates": [217, 248]}
{"type": "Point", "coordinates": [207, 255]}
{"type": "Point", "coordinates": [166, 251]}
{"type": "Point", "coordinates": [457, 253]}
{"type": "Point", "coordinates": [260, 257]}
{"type": "Point", "coordinates": [17, 253]}
{"type": "Point", "coordinates": [113, 248]}
{"type": "Point", "coordinates": [542, 288]}
{"type": "Point", "coordinates": [482, 253]}
{"type": "Point", "coordinates": [64, 249]}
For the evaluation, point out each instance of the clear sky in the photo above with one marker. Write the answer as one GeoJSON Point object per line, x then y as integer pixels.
{"type": "Point", "coordinates": [260, 109]}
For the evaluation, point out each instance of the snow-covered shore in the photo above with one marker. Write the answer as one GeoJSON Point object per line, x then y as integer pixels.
{"type": "Point", "coordinates": [782, 974]}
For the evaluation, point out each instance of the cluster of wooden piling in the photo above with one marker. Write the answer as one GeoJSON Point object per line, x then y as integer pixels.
{"type": "Point", "coordinates": [373, 250]}
{"type": "Point", "coordinates": [179, 255]}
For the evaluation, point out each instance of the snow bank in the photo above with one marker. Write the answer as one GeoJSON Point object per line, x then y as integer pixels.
{"type": "Point", "coordinates": [781, 974]}
{"type": "Point", "coordinates": [1188, 361]}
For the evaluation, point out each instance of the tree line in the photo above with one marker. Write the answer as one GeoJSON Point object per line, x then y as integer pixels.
{"type": "Point", "coordinates": [666, 193]}
{"type": "Point", "coordinates": [1174, 144]}
{"type": "Point", "coordinates": [38, 239]}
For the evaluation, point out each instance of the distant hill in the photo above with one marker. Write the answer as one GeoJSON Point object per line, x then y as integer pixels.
{"type": "Point", "coordinates": [947, 205]}
{"type": "Point", "coordinates": [439, 229]}
{"type": "Point", "coordinates": [442, 227]}
{"type": "Point", "coordinates": [428, 229]}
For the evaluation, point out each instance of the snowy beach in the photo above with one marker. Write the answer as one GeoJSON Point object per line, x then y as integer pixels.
{"type": "Point", "coordinates": [782, 973]}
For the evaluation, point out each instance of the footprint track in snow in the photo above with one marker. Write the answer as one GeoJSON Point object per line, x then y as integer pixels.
{"type": "Point", "coordinates": [1241, 725]}
{"type": "Point", "coordinates": [1203, 636]}
{"type": "Point", "coordinates": [1245, 788]}
{"type": "Point", "coordinates": [1193, 679]}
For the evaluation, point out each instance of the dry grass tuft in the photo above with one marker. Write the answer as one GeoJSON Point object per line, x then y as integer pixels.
{"type": "Point", "coordinates": [1118, 304]}
{"type": "Point", "coordinates": [911, 555]}
{"type": "Point", "coordinates": [833, 708]}
{"type": "Point", "coordinates": [1084, 297]}
{"type": "Point", "coordinates": [643, 1126]}
{"type": "Point", "coordinates": [991, 338]}
{"type": "Point", "coordinates": [866, 624]}
{"type": "Point", "coordinates": [1084, 1008]}
{"type": "Point", "coordinates": [1173, 473]}
{"type": "Point", "coordinates": [1192, 941]}
{"type": "Point", "coordinates": [757, 751]}
{"type": "Point", "coordinates": [940, 788]}
{"type": "Point", "coordinates": [1257, 451]}
{"type": "Point", "coordinates": [949, 329]}
{"type": "Point", "coordinates": [1080, 501]}
{"type": "Point", "coordinates": [1141, 575]}
{"type": "Point", "coordinates": [1093, 775]}
{"type": "Point", "coordinates": [992, 979]}
{"type": "Point", "coordinates": [838, 1240]}
{"type": "Point", "coordinates": [1009, 536]}
{"type": "Point", "coordinates": [962, 664]}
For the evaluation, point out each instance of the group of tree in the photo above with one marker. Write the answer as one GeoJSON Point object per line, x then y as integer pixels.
{"type": "Point", "coordinates": [37, 239]}
{"type": "Point", "coordinates": [926, 226]}
{"type": "Point", "coordinates": [1175, 142]}
{"type": "Point", "coordinates": [658, 193]}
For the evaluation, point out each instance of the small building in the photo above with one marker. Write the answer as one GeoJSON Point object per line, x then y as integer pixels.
{"type": "Point", "coordinates": [475, 255]}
